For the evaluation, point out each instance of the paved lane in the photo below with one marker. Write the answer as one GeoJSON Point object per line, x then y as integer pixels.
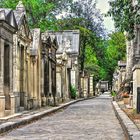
{"type": "Point", "coordinates": [92, 119]}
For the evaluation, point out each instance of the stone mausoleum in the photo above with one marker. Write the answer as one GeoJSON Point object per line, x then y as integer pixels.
{"type": "Point", "coordinates": [36, 69]}
{"type": "Point", "coordinates": [67, 69]}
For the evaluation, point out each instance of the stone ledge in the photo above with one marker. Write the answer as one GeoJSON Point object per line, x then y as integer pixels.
{"type": "Point", "coordinates": [8, 126]}
{"type": "Point", "coordinates": [130, 129]}
{"type": "Point", "coordinates": [136, 67]}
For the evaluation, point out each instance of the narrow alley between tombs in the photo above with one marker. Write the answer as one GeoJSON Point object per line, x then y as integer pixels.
{"type": "Point", "coordinates": [92, 119]}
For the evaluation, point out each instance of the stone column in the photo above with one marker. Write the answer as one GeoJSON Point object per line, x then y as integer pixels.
{"type": "Point", "coordinates": [43, 98]}
{"type": "Point", "coordinates": [136, 84]}
{"type": "Point", "coordinates": [50, 78]}
{"type": "Point", "coordinates": [35, 85]}
{"type": "Point", "coordinates": [73, 77]}
{"type": "Point", "coordinates": [34, 80]}
{"type": "Point", "coordinates": [2, 97]}
{"type": "Point", "coordinates": [58, 82]}
{"type": "Point", "coordinates": [85, 87]}
{"type": "Point", "coordinates": [82, 86]}
{"type": "Point", "coordinates": [12, 97]}
{"type": "Point", "coordinates": [39, 80]}
{"type": "Point", "coordinates": [15, 73]}
{"type": "Point", "coordinates": [119, 80]}
{"type": "Point", "coordinates": [130, 62]}
{"type": "Point", "coordinates": [24, 80]}
{"type": "Point", "coordinates": [91, 86]}
{"type": "Point", "coordinates": [66, 83]}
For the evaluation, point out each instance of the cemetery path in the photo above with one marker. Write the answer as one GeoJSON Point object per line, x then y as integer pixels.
{"type": "Point", "coordinates": [92, 119]}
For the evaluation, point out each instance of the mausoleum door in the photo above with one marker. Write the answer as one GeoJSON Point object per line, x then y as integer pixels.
{"type": "Point", "coordinates": [7, 76]}
{"type": "Point", "coordinates": [69, 80]}
{"type": "Point", "coordinates": [46, 78]}
{"type": "Point", "coordinates": [53, 79]}
{"type": "Point", "coordinates": [21, 75]}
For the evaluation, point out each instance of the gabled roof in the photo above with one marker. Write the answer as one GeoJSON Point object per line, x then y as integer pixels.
{"type": "Point", "coordinates": [8, 16]}
{"type": "Point", "coordinates": [20, 13]}
{"type": "Point", "coordinates": [19, 17]}
{"type": "Point", "coordinates": [49, 39]}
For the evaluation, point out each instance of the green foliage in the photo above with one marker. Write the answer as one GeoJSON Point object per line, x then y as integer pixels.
{"type": "Point", "coordinates": [73, 92]}
{"type": "Point", "coordinates": [98, 56]}
{"type": "Point", "coordinates": [113, 93]}
{"type": "Point", "coordinates": [41, 13]}
{"type": "Point", "coordinates": [115, 52]}
{"type": "Point", "coordinates": [126, 15]}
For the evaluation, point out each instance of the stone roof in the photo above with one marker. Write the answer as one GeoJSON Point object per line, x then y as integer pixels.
{"type": "Point", "coordinates": [20, 13]}
{"type": "Point", "coordinates": [68, 41]}
{"type": "Point", "coordinates": [8, 16]}
{"type": "Point", "coordinates": [19, 16]}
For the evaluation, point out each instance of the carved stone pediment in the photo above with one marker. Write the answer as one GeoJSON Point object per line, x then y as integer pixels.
{"type": "Point", "coordinates": [23, 30]}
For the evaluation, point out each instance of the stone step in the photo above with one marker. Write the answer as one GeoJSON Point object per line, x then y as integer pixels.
{"type": "Point", "coordinates": [21, 109]}
{"type": "Point", "coordinates": [7, 112]}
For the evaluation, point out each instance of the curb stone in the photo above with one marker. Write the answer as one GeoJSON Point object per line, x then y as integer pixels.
{"type": "Point", "coordinates": [130, 129]}
{"type": "Point", "coordinates": [5, 127]}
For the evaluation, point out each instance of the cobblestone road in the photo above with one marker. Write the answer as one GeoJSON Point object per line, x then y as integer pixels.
{"type": "Point", "coordinates": [92, 119]}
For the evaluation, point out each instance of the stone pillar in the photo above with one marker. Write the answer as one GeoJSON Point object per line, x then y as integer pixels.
{"type": "Point", "coordinates": [82, 86]}
{"type": "Point", "coordinates": [136, 84]}
{"type": "Point", "coordinates": [12, 97]}
{"type": "Point", "coordinates": [43, 97]}
{"type": "Point", "coordinates": [91, 86]}
{"type": "Point", "coordinates": [39, 81]}
{"type": "Point", "coordinates": [15, 73]}
{"type": "Point", "coordinates": [73, 77]}
{"type": "Point", "coordinates": [2, 97]}
{"type": "Point", "coordinates": [25, 94]}
{"type": "Point", "coordinates": [64, 84]}
{"type": "Point", "coordinates": [119, 80]}
{"type": "Point", "coordinates": [59, 82]}
{"type": "Point", "coordinates": [50, 78]}
{"type": "Point", "coordinates": [85, 87]}
{"type": "Point", "coordinates": [130, 63]}
{"type": "Point", "coordinates": [35, 84]}
{"type": "Point", "coordinates": [34, 80]}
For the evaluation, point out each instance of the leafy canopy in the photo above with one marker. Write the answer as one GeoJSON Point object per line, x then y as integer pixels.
{"type": "Point", "coordinates": [126, 15]}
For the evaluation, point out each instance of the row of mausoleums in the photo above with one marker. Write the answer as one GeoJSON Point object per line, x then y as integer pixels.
{"type": "Point", "coordinates": [126, 78]}
{"type": "Point", "coordinates": [37, 69]}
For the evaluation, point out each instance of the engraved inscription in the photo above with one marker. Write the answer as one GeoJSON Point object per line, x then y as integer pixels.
{"type": "Point", "coordinates": [6, 35]}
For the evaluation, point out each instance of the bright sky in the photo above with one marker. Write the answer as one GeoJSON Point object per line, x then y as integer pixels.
{"type": "Point", "coordinates": [103, 5]}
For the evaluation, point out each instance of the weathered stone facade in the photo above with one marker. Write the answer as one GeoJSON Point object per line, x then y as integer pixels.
{"type": "Point", "coordinates": [130, 58]}
{"type": "Point", "coordinates": [86, 85]}
{"type": "Point", "coordinates": [136, 68]}
{"type": "Point", "coordinates": [36, 69]}
{"type": "Point", "coordinates": [8, 27]}
{"type": "Point", "coordinates": [119, 76]}
{"type": "Point", "coordinates": [67, 62]}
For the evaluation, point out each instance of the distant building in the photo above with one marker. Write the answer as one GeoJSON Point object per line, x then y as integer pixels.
{"type": "Point", "coordinates": [104, 86]}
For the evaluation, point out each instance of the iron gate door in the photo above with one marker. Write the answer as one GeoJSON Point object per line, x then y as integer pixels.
{"type": "Point", "coordinates": [138, 100]}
